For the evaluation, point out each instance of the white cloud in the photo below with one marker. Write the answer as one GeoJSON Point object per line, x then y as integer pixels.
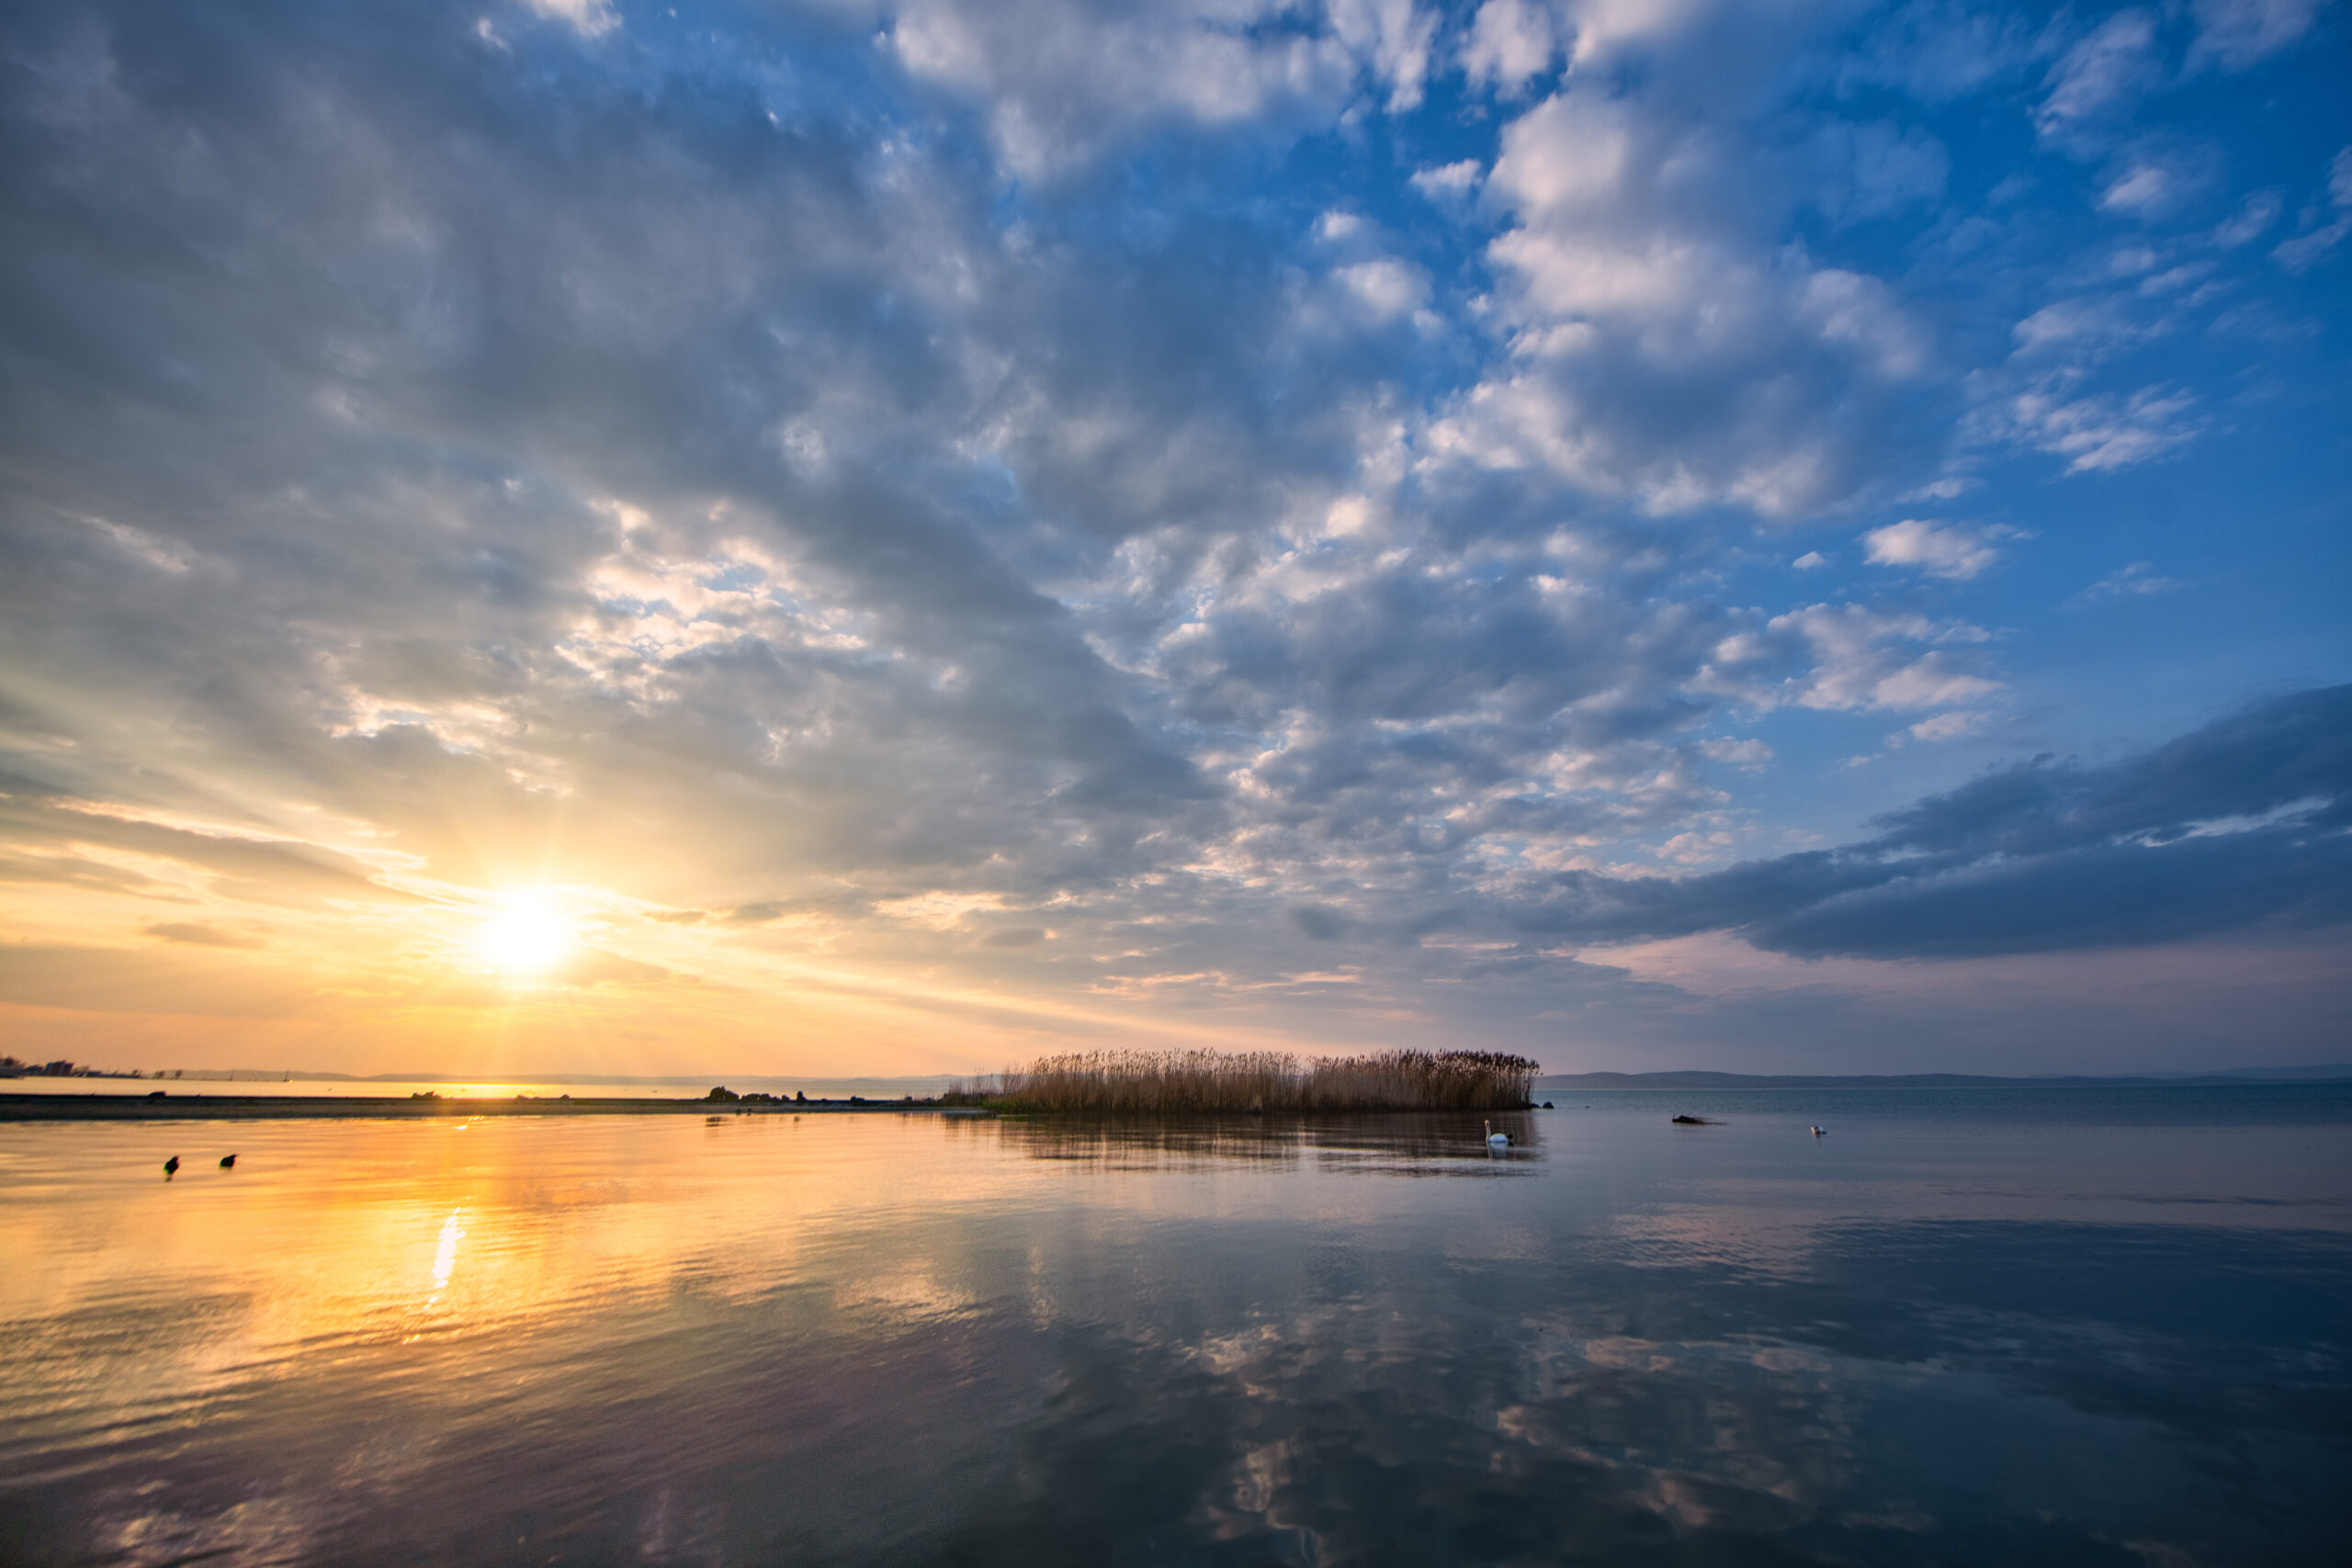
{"type": "Point", "coordinates": [1751, 753]}
{"type": "Point", "coordinates": [1383, 288]}
{"type": "Point", "coordinates": [1448, 181]}
{"type": "Point", "coordinates": [1663, 349]}
{"type": "Point", "coordinates": [1857, 659]}
{"type": "Point", "coordinates": [1394, 37]}
{"type": "Point", "coordinates": [1510, 42]}
{"type": "Point", "coordinates": [2145, 188]}
{"type": "Point", "coordinates": [1812, 560]}
{"type": "Point", "coordinates": [164, 555]}
{"type": "Point", "coordinates": [2102, 430]}
{"type": "Point", "coordinates": [1604, 30]}
{"type": "Point", "coordinates": [2086, 329]}
{"type": "Point", "coordinates": [2236, 34]}
{"type": "Point", "coordinates": [2252, 218]}
{"type": "Point", "coordinates": [592, 18]}
{"type": "Point", "coordinates": [1060, 80]}
{"type": "Point", "coordinates": [2322, 234]}
{"type": "Point", "coordinates": [1957, 724]}
{"type": "Point", "coordinates": [1950, 550]}
{"type": "Point", "coordinates": [2100, 73]}
{"type": "Point", "coordinates": [2138, 581]}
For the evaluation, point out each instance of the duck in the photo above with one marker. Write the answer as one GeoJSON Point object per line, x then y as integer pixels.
{"type": "Point", "coordinates": [171, 1168]}
{"type": "Point", "coordinates": [1821, 1132]}
{"type": "Point", "coordinates": [227, 1162]}
{"type": "Point", "coordinates": [1496, 1140]}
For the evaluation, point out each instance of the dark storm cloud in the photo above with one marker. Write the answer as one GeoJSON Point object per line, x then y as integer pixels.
{"type": "Point", "coordinates": [2243, 823]}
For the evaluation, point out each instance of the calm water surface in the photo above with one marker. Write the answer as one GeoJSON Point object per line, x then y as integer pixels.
{"type": "Point", "coordinates": [1997, 1327]}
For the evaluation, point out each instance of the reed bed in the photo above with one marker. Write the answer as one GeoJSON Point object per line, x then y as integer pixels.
{"type": "Point", "coordinates": [1160, 1082]}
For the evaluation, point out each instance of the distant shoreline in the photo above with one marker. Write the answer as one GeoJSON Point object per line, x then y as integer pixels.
{"type": "Point", "coordinates": [1566, 1083]}
{"type": "Point", "coordinates": [179, 1107]}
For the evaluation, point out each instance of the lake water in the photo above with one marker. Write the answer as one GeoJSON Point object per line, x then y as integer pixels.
{"type": "Point", "coordinates": [1965, 1328]}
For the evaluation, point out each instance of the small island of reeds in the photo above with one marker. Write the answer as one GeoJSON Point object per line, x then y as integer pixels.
{"type": "Point", "coordinates": [1159, 1082]}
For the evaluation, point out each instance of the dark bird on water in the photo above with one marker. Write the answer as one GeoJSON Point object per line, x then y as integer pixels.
{"type": "Point", "coordinates": [172, 1166]}
{"type": "Point", "coordinates": [227, 1162]}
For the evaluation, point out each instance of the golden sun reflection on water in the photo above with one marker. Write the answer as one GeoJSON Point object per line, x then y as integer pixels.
{"type": "Point", "coordinates": [679, 1338]}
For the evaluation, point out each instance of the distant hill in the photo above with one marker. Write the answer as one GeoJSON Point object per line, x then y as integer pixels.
{"type": "Point", "coordinates": [873, 1087]}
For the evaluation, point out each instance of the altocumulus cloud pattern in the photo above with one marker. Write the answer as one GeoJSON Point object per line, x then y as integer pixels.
{"type": "Point", "coordinates": [1808, 535]}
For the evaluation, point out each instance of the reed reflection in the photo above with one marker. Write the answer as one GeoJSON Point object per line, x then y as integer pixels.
{"type": "Point", "coordinates": [1386, 1144]}
{"type": "Point", "coordinates": [895, 1339]}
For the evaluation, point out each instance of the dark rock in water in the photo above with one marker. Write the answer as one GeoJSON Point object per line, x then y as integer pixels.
{"type": "Point", "coordinates": [1547, 1105]}
{"type": "Point", "coordinates": [1694, 1122]}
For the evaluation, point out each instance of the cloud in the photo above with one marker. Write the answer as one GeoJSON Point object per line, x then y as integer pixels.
{"type": "Point", "coordinates": [2252, 218]}
{"type": "Point", "coordinates": [851, 488]}
{"type": "Point", "coordinates": [591, 18]}
{"type": "Point", "coordinates": [1955, 726]}
{"type": "Point", "coordinates": [1858, 659]}
{"type": "Point", "coordinates": [1662, 348]}
{"type": "Point", "coordinates": [268, 869]}
{"type": "Point", "coordinates": [2137, 580]}
{"type": "Point", "coordinates": [2321, 232]}
{"type": "Point", "coordinates": [1448, 181]}
{"type": "Point", "coordinates": [1950, 550]}
{"type": "Point", "coordinates": [2103, 72]}
{"type": "Point", "coordinates": [1749, 753]}
{"type": "Point", "coordinates": [2236, 34]}
{"type": "Point", "coordinates": [2245, 823]}
{"type": "Point", "coordinates": [195, 933]}
{"type": "Point", "coordinates": [2104, 431]}
{"type": "Point", "coordinates": [1938, 50]}
{"type": "Point", "coordinates": [1063, 83]}
{"type": "Point", "coordinates": [1877, 168]}
{"type": "Point", "coordinates": [1509, 43]}
{"type": "Point", "coordinates": [2149, 188]}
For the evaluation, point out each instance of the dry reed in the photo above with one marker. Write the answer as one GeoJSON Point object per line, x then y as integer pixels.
{"type": "Point", "coordinates": [1157, 1082]}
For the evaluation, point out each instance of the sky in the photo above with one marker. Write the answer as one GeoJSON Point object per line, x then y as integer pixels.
{"type": "Point", "coordinates": [832, 537]}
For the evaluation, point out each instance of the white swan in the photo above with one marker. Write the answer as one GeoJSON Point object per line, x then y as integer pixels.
{"type": "Point", "coordinates": [1496, 1140]}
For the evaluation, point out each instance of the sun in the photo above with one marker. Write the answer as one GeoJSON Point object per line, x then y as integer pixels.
{"type": "Point", "coordinates": [529, 934]}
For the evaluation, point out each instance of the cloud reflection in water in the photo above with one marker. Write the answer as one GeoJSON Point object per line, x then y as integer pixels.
{"type": "Point", "coordinates": [836, 1339]}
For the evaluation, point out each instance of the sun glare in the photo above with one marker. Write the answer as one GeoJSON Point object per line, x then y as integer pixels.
{"type": "Point", "coordinates": [527, 935]}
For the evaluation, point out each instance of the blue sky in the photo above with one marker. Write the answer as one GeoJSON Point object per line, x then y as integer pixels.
{"type": "Point", "coordinates": [1648, 532]}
